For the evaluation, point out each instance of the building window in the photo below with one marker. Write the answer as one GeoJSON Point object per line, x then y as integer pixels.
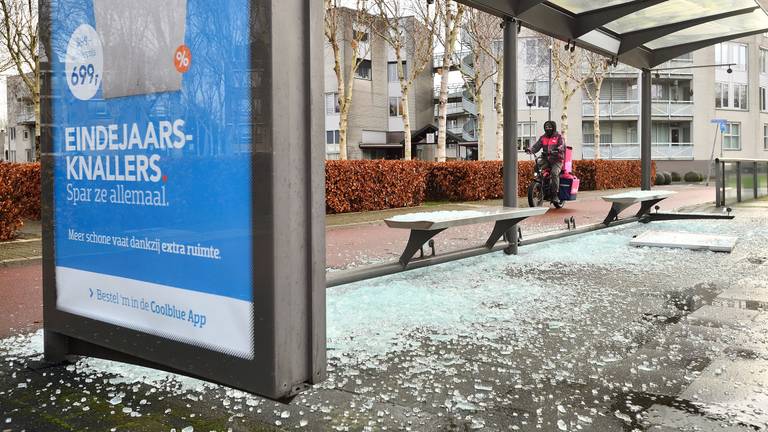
{"type": "Point", "coordinates": [765, 137]}
{"type": "Point", "coordinates": [364, 70]}
{"type": "Point", "coordinates": [392, 71]}
{"type": "Point", "coordinates": [763, 98]}
{"type": "Point", "coordinates": [395, 106]}
{"type": "Point", "coordinates": [332, 103]}
{"type": "Point", "coordinates": [732, 136]}
{"type": "Point", "coordinates": [721, 95]}
{"type": "Point", "coordinates": [740, 96]}
{"type": "Point", "coordinates": [26, 134]}
{"type": "Point", "coordinates": [541, 93]}
{"type": "Point", "coordinates": [332, 137]}
{"type": "Point", "coordinates": [526, 134]}
{"type": "Point", "coordinates": [763, 60]}
{"type": "Point", "coordinates": [13, 133]}
{"type": "Point", "coordinates": [729, 52]}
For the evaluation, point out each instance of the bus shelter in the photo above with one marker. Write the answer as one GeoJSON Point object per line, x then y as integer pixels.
{"type": "Point", "coordinates": [639, 33]}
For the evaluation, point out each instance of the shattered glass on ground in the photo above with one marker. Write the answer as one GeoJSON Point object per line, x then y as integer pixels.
{"type": "Point", "coordinates": [584, 333]}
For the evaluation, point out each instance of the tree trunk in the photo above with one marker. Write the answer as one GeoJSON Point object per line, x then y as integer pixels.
{"type": "Point", "coordinates": [406, 125]}
{"type": "Point", "coordinates": [442, 116]}
{"type": "Point", "coordinates": [451, 33]}
{"type": "Point", "coordinates": [564, 119]}
{"type": "Point", "coordinates": [499, 112]}
{"type": "Point", "coordinates": [479, 130]}
{"type": "Point", "coordinates": [345, 105]}
{"type": "Point", "coordinates": [343, 125]}
{"type": "Point", "coordinates": [596, 122]}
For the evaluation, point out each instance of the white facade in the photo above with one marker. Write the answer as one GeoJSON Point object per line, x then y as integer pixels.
{"type": "Point", "coordinates": [685, 101]}
{"type": "Point", "coordinates": [375, 126]}
{"type": "Point", "coordinates": [20, 132]}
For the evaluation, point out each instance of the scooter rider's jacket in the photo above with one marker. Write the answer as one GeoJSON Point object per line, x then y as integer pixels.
{"type": "Point", "coordinates": [553, 147]}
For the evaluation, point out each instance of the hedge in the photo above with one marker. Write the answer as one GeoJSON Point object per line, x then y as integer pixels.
{"type": "Point", "coordinates": [353, 186]}
{"type": "Point", "coordinates": [19, 196]}
{"type": "Point", "coordinates": [363, 185]}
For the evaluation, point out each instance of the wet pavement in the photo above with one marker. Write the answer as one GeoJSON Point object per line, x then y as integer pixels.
{"type": "Point", "coordinates": [584, 333]}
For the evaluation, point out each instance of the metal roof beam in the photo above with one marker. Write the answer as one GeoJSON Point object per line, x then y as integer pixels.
{"type": "Point", "coordinates": [524, 5]}
{"type": "Point", "coordinates": [663, 54]}
{"type": "Point", "coordinates": [591, 20]}
{"type": "Point", "coordinates": [632, 40]}
{"type": "Point", "coordinates": [498, 8]}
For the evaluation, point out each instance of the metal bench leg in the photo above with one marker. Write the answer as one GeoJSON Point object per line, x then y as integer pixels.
{"type": "Point", "coordinates": [499, 229]}
{"type": "Point", "coordinates": [613, 214]}
{"type": "Point", "coordinates": [415, 242]}
{"type": "Point", "coordinates": [645, 207]}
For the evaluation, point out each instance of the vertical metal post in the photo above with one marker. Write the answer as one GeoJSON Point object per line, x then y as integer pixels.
{"type": "Point", "coordinates": [549, 85]}
{"type": "Point", "coordinates": [754, 176]}
{"type": "Point", "coordinates": [719, 180]}
{"type": "Point", "coordinates": [738, 181]}
{"type": "Point", "coordinates": [645, 129]}
{"type": "Point", "coordinates": [510, 124]}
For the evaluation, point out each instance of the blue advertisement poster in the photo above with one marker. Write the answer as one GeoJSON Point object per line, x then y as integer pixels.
{"type": "Point", "coordinates": [152, 147]}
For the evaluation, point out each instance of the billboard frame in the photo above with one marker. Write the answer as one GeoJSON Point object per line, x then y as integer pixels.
{"type": "Point", "coordinates": [288, 222]}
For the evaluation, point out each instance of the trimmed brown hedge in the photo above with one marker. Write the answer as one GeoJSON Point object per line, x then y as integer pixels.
{"type": "Point", "coordinates": [19, 196]}
{"type": "Point", "coordinates": [353, 186]}
{"type": "Point", "coordinates": [364, 185]}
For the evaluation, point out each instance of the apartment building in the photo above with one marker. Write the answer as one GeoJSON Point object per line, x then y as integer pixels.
{"type": "Point", "coordinates": [375, 129]}
{"type": "Point", "coordinates": [688, 104]}
{"type": "Point", "coordinates": [20, 132]}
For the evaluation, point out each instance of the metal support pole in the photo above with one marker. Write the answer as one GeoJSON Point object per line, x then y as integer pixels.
{"type": "Point", "coordinates": [645, 129]}
{"type": "Point", "coordinates": [719, 180]}
{"type": "Point", "coordinates": [549, 85]}
{"type": "Point", "coordinates": [755, 180]}
{"type": "Point", "coordinates": [738, 181]}
{"type": "Point", "coordinates": [510, 124]}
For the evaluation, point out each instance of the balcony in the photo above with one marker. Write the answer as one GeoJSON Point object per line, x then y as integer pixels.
{"type": "Point", "coordinates": [454, 90]}
{"type": "Point", "coordinates": [672, 109]}
{"type": "Point", "coordinates": [612, 108]}
{"type": "Point", "coordinates": [26, 115]}
{"type": "Point", "coordinates": [631, 108]}
{"type": "Point", "coordinates": [659, 151]}
{"type": "Point", "coordinates": [453, 108]}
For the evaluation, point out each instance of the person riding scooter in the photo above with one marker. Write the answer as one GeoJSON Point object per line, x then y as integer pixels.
{"type": "Point", "coordinates": [552, 145]}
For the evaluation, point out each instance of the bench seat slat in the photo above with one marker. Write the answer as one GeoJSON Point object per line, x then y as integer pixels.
{"type": "Point", "coordinates": [638, 196]}
{"type": "Point", "coordinates": [442, 220]}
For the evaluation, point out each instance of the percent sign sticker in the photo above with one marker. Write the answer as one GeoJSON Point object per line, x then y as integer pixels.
{"type": "Point", "coordinates": [84, 62]}
{"type": "Point", "coordinates": [182, 59]}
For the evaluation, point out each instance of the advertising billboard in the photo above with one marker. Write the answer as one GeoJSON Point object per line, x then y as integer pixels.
{"type": "Point", "coordinates": [169, 221]}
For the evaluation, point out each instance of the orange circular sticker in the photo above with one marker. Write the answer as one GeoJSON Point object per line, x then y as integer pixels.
{"type": "Point", "coordinates": [182, 60]}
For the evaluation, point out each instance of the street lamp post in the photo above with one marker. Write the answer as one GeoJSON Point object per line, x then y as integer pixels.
{"type": "Point", "coordinates": [530, 98]}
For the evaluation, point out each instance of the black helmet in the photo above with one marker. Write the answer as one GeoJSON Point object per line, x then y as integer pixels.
{"type": "Point", "coordinates": [550, 124]}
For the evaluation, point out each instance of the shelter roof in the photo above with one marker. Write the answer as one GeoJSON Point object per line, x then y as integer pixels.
{"type": "Point", "coordinates": [640, 33]}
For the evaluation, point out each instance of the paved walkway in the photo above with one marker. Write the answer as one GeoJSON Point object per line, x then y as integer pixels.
{"type": "Point", "coordinates": [596, 336]}
{"type": "Point", "coordinates": [362, 238]}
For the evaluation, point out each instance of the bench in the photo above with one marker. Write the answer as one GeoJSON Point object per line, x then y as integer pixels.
{"type": "Point", "coordinates": [426, 225]}
{"type": "Point", "coordinates": [622, 201]}
{"type": "Point", "coordinates": [647, 200]}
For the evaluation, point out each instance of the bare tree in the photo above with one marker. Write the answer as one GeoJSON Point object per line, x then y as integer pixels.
{"type": "Point", "coordinates": [409, 29]}
{"type": "Point", "coordinates": [569, 75]}
{"type": "Point", "coordinates": [482, 31]}
{"type": "Point", "coordinates": [597, 69]}
{"type": "Point", "coordinates": [344, 25]}
{"type": "Point", "coordinates": [19, 49]}
{"type": "Point", "coordinates": [451, 15]}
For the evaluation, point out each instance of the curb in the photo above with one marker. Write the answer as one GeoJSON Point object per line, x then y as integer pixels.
{"type": "Point", "coordinates": [20, 262]}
